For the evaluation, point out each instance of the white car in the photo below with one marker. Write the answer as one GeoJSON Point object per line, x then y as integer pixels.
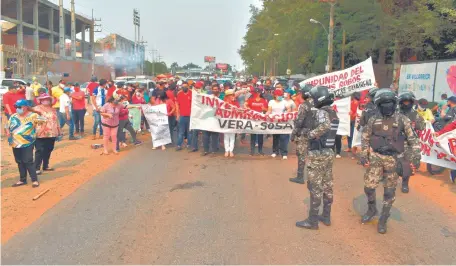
{"type": "Point", "coordinates": [6, 83]}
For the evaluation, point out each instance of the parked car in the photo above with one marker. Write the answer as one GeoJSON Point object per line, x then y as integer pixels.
{"type": "Point", "coordinates": [6, 83]}
{"type": "Point", "coordinates": [149, 84]}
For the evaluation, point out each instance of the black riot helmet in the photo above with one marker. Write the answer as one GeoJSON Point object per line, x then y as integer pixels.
{"type": "Point", "coordinates": [372, 92]}
{"type": "Point", "coordinates": [321, 96]}
{"type": "Point", "coordinates": [305, 91]}
{"type": "Point", "coordinates": [404, 97]}
{"type": "Point", "coordinates": [386, 101]}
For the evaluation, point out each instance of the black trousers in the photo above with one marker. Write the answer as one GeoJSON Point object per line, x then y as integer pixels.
{"type": "Point", "coordinates": [78, 119]}
{"type": "Point", "coordinates": [338, 145]}
{"type": "Point", "coordinates": [43, 150]}
{"type": "Point", "coordinates": [24, 160]}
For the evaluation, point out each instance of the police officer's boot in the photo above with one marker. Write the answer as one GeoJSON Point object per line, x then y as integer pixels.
{"type": "Point", "coordinates": [298, 179]}
{"type": "Point", "coordinates": [325, 217]}
{"type": "Point", "coordinates": [381, 228]}
{"type": "Point", "coordinates": [371, 205]}
{"type": "Point", "coordinates": [405, 185]}
{"type": "Point", "coordinates": [312, 221]}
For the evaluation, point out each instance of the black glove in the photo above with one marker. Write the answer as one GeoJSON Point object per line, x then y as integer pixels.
{"type": "Point", "coordinates": [358, 127]}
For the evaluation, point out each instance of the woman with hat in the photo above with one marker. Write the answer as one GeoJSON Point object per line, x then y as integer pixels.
{"type": "Point", "coordinates": [21, 133]}
{"type": "Point", "coordinates": [46, 132]}
{"type": "Point", "coordinates": [279, 141]}
{"type": "Point", "coordinates": [229, 138]}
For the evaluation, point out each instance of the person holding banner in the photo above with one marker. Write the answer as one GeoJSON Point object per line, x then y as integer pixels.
{"type": "Point", "coordinates": [183, 110]}
{"type": "Point", "coordinates": [406, 101]}
{"type": "Point", "coordinates": [211, 138]}
{"type": "Point", "coordinates": [382, 141]}
{"type": "Point", "coordinates": [279, 141]}
{"type": "Point", "coordinates": [229, 138]}
{"type": "Point", "coordinates": [258, 104]}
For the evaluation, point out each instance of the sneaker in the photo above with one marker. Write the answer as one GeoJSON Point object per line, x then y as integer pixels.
{"type": "Point", "coordinates": [73, 138]}
{"type": "Point", "coordinates": [338, 156]}
{"type": "Point", "coordinates": [261, 153]}
{"type": "Point", "coordinates": [38, 172]}
{"type": "Point", "coordinates": [194, 150]}
{"type": "Point", "coordinates": [252, 153]}
{"type": "Point", "coordinates": [285, 157]}
{"type": "Point", "coordinates": [178, 148]}
{"type": "Point", "coordinates": [273, 155]}
{"type": "Point", "coordinates": [138, 142]}
{"type": "Point", "coordinates": [204, 153]}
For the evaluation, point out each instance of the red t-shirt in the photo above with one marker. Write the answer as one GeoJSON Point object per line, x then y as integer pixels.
{"type": "Point", "coordinates": [125, 94]}
{"type": "Point", "coordinates": [170, 95]}
{"type": "Point", "coordinates": [110, 92]}
{"type": "Point", "coordinates": [78, 104]}
{"type": "Point", "coordinates": [11, 99]}
{"type": "Point", "coordinates": [137, 100]}
{"type": "Point", "coordinates": [91, 86]}
{"type": "Point", "coordinates": [233, 103]}
{"type": "Point", "coordinates": [184, 100]}
{"type": "Point", "coordinates": [353, 109]}
{"type": "Point", "coordinates": [169, 107]}
{"type": "Point", "coordinates": [258, 106]}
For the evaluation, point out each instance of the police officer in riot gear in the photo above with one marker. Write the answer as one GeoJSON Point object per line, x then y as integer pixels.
{"type": "Point", "coordinates": [320, 156]}
{"type": "Point", "coordinates": [370, 110]}
{"type": "Point", "coordinates": [406, 101]}
{"type": "Point", "coordinates": [385, 135]}
{"type": "Point", "coordinates": [300, 130]}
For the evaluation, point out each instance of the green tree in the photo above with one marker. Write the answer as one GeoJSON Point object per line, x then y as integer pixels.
{"type": "Point", "coordinates": [156, 67]}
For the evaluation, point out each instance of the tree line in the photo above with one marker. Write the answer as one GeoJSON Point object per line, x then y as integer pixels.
{"type": "Point", "coordinates": [280, 36]}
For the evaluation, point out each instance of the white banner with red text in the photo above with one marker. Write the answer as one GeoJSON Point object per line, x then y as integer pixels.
{"type": "Point", "coordinates": [344, 82]}
{"type": "Point", "coordinates": [212, 114]}
{"type": "Point", "coordinates": [156, 116]}
{"type": "Point", "coordinates": [438, 151]}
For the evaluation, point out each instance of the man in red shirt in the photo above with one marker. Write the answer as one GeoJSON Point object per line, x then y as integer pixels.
{"type": "Point", "coordinates": [93, 84]}
{"type": "Point", "coordinates": [122, 91]}
{"type": "Point", "coordinates": [183, 110]}
{"type": "Point", "coordinates": [260, 105]}
{"type": "Point", "coordinates": [111, 89]}
{"type": "Point", "coordinates": [10, 98]}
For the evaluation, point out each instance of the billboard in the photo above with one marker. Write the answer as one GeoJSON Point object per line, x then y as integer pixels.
{"type": "Point", "coordinates": [419, 79]}
{"type": "Point", "coordinates": [209, 59]}
{"type": "Point", "coordinates": [445, 80]}
{"type": "Point", "coordinates": [222, 66]}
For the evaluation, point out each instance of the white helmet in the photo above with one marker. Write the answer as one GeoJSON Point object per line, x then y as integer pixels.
{"type": "Point", "coordinates": [179, 83]}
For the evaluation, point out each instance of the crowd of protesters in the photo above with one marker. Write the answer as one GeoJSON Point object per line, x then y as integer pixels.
{"type": "Point", "coordinates": [37, 114]}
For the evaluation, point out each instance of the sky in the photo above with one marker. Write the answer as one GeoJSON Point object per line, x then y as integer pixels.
{"type": "Point", "coordinates": [182, 31]}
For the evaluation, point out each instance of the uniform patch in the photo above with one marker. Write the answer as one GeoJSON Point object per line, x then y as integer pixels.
{"type": "Point", "coordinates": [385, 127]}
{"type": "Point", "coordinates": [321, 117]}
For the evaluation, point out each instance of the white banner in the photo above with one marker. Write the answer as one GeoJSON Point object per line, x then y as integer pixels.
{"type": "Point", "coordinates": [344, 82]}
{"type": "Point", "coordinates": [439, 151]}
{"type": "Point", "coordinates": [419, 79]}
{"type": "Point", "coordinates": [445, 80]}
{"type": "Point", "coordinates": [158, 121]}
{"type": "Point", "coordinates": [342, 108]}
{"type": "Point", "coordinates": [357, 134]}
{"type": "Point", "coordinates": [212, 114]}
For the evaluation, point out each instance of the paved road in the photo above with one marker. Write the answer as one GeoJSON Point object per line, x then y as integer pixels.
{"type": "Point", "coordinates": [158, 207]}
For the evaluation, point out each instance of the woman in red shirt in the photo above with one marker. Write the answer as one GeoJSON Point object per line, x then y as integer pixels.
{"type": "Point", "coordinates": [229, 138]}
{"type": "Point", "coordinates": [79, 109]}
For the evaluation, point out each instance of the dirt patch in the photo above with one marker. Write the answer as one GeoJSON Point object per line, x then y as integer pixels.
{"type": "Point", "coordinates": [188, 185]}
{"type": "Point", "coordinates": [75, 162]}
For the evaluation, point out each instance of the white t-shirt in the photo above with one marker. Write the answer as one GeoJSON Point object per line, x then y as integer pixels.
{"type": "Point", "coordinates": [65, 101]}
{"type": "Point", "coordinates": [29, 93]}
{"type": "Point", "coordinates": [290, 104]}
{"type": "Point", "coordinates": [277, 107]}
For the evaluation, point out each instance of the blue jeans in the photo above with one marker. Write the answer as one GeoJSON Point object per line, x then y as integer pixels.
{"type": "Point", "coordinates": [350, 139]}
{"type": "Point", "coordinates": [280, 144]}
{"type": "Point", "coordinates": [211, 138]}
{"type": "Point", "coordinates": [61, 117]}
{"type": "Point", "coordinates": [254, 139]}
{"type": "Point", "coordinates": [97, 123]}
{"type": "Point", "coordinates": [184, 130]}
{"type": "Point", "coordinates": [70, 123]}
{"type": "Point", "coordinates": [195, 134]}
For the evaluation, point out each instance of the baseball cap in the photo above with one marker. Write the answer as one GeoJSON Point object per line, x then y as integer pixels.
{"type": "Point", "coordinates": [452, 99]}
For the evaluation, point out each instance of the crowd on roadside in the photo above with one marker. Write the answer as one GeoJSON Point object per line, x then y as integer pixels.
{"type": "Point", "coordinates": [38, 113]}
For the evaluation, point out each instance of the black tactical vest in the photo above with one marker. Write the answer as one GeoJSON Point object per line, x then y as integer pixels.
{"type": "Point", "coordinates": [308, 120]}
{"type": "Point", "coordinates": [412, 115]}
{"type": "Point", "coordinates": [327, 140]}
{"type": "Point", "coordinates": [387, 137]}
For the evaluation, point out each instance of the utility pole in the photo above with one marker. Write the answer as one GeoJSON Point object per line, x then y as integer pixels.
{"type": "Point", "coordinates": [342, 63]}
{"type": "Point", "coordinates": [136, 23]}
{"type": "Point", "coordinates": [152, 53]}
{"type": "Point", "coordinates": [92, 40]}
{"type": "Point", "coordinates": [329, 64]}
{"type": "Point", "coordinates": [142, 53]}
{"type": "Point", "coordinates": [73, 30]}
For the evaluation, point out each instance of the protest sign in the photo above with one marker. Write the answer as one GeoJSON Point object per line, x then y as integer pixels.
{"type": "Point", "coordinates": [212, 114]}
{"type": "Point", "coordinates": [419, 79]}
{"type": "Point", "coordinates": [344, 82]}
{"type": "Point", "coordinates": [342, 108]}
{"type": "Point", "coordinates": [135, 118]}
{"type": "Point", "coordinates": [158, 121]}
{"type": "Point", "coordinates": [438, 151]}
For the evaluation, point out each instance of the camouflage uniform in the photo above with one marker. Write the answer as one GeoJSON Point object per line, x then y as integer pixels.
{"type": "Point", "coordinates": [404, 159]}
{"type": "Point", "coordinates": [320, 161]}
{"type": "Point", "coordinates": [383, 137]}
{"type": "Point", "coordinates": [369, 111]}
{"type": "Point", "coordinates": [300, 130]}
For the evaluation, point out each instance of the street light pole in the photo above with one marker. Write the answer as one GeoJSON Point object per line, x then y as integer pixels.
{"type": "Point", "coordinates": [331, 37]}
